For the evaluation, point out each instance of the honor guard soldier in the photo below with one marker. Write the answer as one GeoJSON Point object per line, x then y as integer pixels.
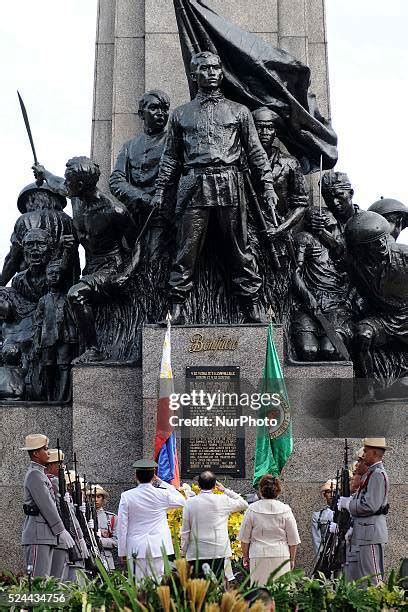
{"type": "Point", "coordinates": [43, 528]}
{"type": "Point", "coordinates": [107, 524]}
{"type": "Point", "coordinates": [143, 531]}
{"type": "Point", "coordinates": [60, 557]}
{"type": "Point", "coordinates": [79, 564]}
{"type": "Point", "coordinates": [368, 508]}
{"type": "Point", "coordinates": [321, 518]}
{"type": "Point", "coordinates": [359, 470]}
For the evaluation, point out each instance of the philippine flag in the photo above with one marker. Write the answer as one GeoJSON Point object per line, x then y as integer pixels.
{"type": "Point", "coordinates": [165, 448]}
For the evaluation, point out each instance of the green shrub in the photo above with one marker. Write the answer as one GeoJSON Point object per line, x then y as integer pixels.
{"type": "Point", "coordinates": [178, 592]}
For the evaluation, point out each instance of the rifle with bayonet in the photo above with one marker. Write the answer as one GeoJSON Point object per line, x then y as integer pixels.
{"type": "Point", "coordinates": [324, 560]}
{"type": "Point", "coordinates": [90, 513]}
{"type": "Point", "coordinates": [89, 540]}
{"type": "Point", "coordinates": [74, 552]}
{"type": "Point", "coordinates": [343, 519]}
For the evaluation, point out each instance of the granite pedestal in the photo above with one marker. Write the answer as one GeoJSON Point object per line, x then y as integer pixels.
{"type": "Point", "coordinates": [113, 418]}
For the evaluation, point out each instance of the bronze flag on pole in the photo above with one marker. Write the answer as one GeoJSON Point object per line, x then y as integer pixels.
{"type": "Point", "coordinates": [258, 74]}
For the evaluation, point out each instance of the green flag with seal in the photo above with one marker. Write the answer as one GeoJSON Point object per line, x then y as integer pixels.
{"type": "Point", "coordinates": [274, 441]}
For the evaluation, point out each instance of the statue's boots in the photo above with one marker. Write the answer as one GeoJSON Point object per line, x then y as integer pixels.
{"type": "Point", "coordinates": [251, 313]}
{"type": "Point", "coordinates": [90, 355]}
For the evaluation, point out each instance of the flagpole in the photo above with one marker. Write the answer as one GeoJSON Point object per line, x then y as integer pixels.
{"type": "Point", "coordinates": [179, 6]}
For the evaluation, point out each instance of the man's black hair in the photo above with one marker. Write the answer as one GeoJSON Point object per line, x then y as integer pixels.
{"type": "Point", "coordinates": [144, 476]}
{"type": "Point", "coordinates": [31, 452]}
{"type": "Point", "coordinates": [260, 594]}
{"type": "Point", "coordinates": [207, 480]}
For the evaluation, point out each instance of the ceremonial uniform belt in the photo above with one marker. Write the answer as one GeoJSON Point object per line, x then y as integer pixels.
{"type": "Point", "coordinates": [31, 510]}
{"type": "Point", "coordinates": [383, 510]}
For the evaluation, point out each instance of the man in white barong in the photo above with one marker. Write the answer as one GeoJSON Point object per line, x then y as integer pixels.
{"type": "Point", "coordinates": [143, 531]}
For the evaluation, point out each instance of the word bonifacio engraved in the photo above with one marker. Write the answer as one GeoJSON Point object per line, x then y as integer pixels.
{"type": "Point", "coordinates": [200, 343]}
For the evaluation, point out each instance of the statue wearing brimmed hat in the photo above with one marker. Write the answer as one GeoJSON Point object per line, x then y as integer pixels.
{"type": "Point", "coordinates": [368, 508]}
{"type": "Point", "coordinates": [378, 267]}
{"type": "Point", "coordinates": [43, 528]}
{"type": "Point", "coordinates": [321, 518]}
{"type": "Point", "coordinates": [41, 208]}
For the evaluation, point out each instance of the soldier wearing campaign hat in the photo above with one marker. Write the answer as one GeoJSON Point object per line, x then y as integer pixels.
{"type": "Point", "coordinates": [321, 518]}
{"type": "Point", "coordinates": [107, 525]}
{"type": "Point", "coordinates": [66, 560]}
{"type": "Point", "coordinates": [143, 530]}
{"type": "Point", "coordinates": [368, 508]}
{"type": "Point", "coordinates": [43, 528]}
{"type": "Point", "coordinates": [60, 557]}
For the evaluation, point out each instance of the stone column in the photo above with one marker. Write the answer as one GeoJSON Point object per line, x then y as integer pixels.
{"type": "Point", "coordinates": [103, 88]}
{"type": "Point", "coordinates": [137, 48]}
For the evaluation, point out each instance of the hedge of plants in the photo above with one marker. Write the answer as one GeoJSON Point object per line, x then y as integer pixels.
{"type": "Point", "coordinates": [292, 592]}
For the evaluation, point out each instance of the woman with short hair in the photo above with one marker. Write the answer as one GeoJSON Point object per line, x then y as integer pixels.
{"type": "Point", "coordinates": [268, 534]}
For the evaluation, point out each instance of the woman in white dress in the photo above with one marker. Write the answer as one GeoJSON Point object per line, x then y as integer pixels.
{"type": "Point", "coordinates": [268, 534]}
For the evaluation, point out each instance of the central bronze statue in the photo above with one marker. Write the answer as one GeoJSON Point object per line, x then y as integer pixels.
{"type": "Point", "coordinates": [214, 219]}
{"type": "Point", "coordinates": [206, 142]}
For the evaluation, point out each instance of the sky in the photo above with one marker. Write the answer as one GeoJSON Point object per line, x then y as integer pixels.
{"type": "Point", "coordinates": [48, 55]}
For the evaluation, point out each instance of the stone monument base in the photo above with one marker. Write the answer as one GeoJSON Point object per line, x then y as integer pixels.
{"type": "Point", "coordinates": [112, 421]}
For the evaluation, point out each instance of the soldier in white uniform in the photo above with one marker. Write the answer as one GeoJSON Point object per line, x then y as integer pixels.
{"type": "Point", "coordinates": [143, 530]}
{"type": "Point", "coordinates": [43, 528]}
{"type": "Point", "coordinates": [107, 525]}
{"type": "Point", "coordinates": [368, 508]}
{"type": "Point", "coordinates": [321, 518]}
